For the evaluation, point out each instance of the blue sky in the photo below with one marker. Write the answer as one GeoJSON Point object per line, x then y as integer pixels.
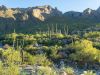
{"type": "Point", "coordinates": [63, 5]}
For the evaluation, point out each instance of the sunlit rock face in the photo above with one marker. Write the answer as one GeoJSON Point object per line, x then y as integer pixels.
{"type": "Point", "coordinates": [9, 13]}
{"type": "Point", "coordinates": [44, 12]}
{"type": "Point", "coordinates": [88, 11]}
{"type": "Point", "coordinates": [25, 17]}
{"type": "Point", "coordinates": [37, 13]}
{"type": "Point", "coordinates": [6, 12]}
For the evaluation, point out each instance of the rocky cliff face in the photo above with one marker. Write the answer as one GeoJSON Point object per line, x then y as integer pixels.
{"type": "Point", "coordinates": [88, 11]}
{"type": "Point", "coordinates": [33, 18]}
{"type": "Point", "coordinates": [39, 12]}
{"type": "Point", "coordinates": [43, 12]}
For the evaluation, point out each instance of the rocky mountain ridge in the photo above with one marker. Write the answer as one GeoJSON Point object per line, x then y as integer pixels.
{"type": "Point", "coordinates": [37, 18]}
{"type": "Point", "coordinates": [44, 12]}
{"type": "Point", "coordinates": [39, 12]}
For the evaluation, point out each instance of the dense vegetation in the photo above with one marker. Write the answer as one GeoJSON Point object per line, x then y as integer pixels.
{"type": "Point", "coordinates": [73, 25]}
{"type": "Point", "coordinates": [47, 49]}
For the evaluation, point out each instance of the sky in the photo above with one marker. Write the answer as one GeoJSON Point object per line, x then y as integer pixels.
{"type": "Point", "coordinates": [62, 5]}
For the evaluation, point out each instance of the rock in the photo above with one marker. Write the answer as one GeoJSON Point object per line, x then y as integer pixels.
{"type": "Point", "coordinates": [25, 16]}
{"type": "Point", "coordinates": [26, 19]}
{"type": "Point", "coordinates": [7, 13]}
{"type": "Point", "coordinates": [88, 11]}
{"type": "Point", "coordinates": [43, 12]}
{"type": "Point", "coordinates": [37, 13]}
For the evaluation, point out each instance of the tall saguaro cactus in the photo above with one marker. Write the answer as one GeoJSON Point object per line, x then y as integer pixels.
{"type": "Point", "coordinates": [14, 35]}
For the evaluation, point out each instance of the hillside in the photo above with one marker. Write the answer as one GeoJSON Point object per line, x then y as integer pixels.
{"type": "Point", "coordinates": [43, 40]}
{"type": "Point", "coordinates": [40, 18]}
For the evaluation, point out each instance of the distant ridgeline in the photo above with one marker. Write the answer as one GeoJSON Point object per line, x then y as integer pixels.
{"type": "Point", "coordinates": [43, 18]}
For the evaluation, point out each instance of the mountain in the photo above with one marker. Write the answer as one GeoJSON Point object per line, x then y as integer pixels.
{"type": "Point", "coordinates": [39, 12]}
{"type": "Point", "coordinates": [44, 12]}
{"type": "Point", "coordinates": [73, 14]}
{"type": "Point", "coordinates": [88, 11]}
{"type": "Point", "coordinates": [32, 19]}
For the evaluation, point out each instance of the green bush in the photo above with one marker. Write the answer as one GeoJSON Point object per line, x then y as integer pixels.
{"type": "Point", "coordinates": [69, 70]}
{"type": "Point", "coordinates": [89, 72]}
{"type": "Point", "coordinates": [46, 71]}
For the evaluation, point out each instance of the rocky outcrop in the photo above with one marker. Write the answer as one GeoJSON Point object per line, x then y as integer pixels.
{"type": "Point", "coordinates": [6, 12]}
{"type": "Point", "coordinates": [39, 12]}
{"type": "Point", "coordinates": [88, 11]}
{"type": "Point", "coordinates": [44, 12]}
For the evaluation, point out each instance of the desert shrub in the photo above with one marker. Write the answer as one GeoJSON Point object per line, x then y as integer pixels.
{"type": "Point", "coordinates": [58, 35]}
{"type": "Point", "coordinates": [46, 71]}
{"type": "Point", "coordinates": [89, 72]}
{"type": "Point", "coordinates": [38, 59]}
{"type": "Point", "coordinates": [69, 70]}
{"type": "Point", "coordinates": [11, 69]}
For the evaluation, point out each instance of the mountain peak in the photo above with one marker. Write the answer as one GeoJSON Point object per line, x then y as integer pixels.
{"type": "Point", "coordinates": [88, 11]}
{"type": "Point", "coordinates": [44, 12]}
{"type": "Point", "coordinates": [2, 7]}
{"type": "Point", "coordinates": [98, 10]}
